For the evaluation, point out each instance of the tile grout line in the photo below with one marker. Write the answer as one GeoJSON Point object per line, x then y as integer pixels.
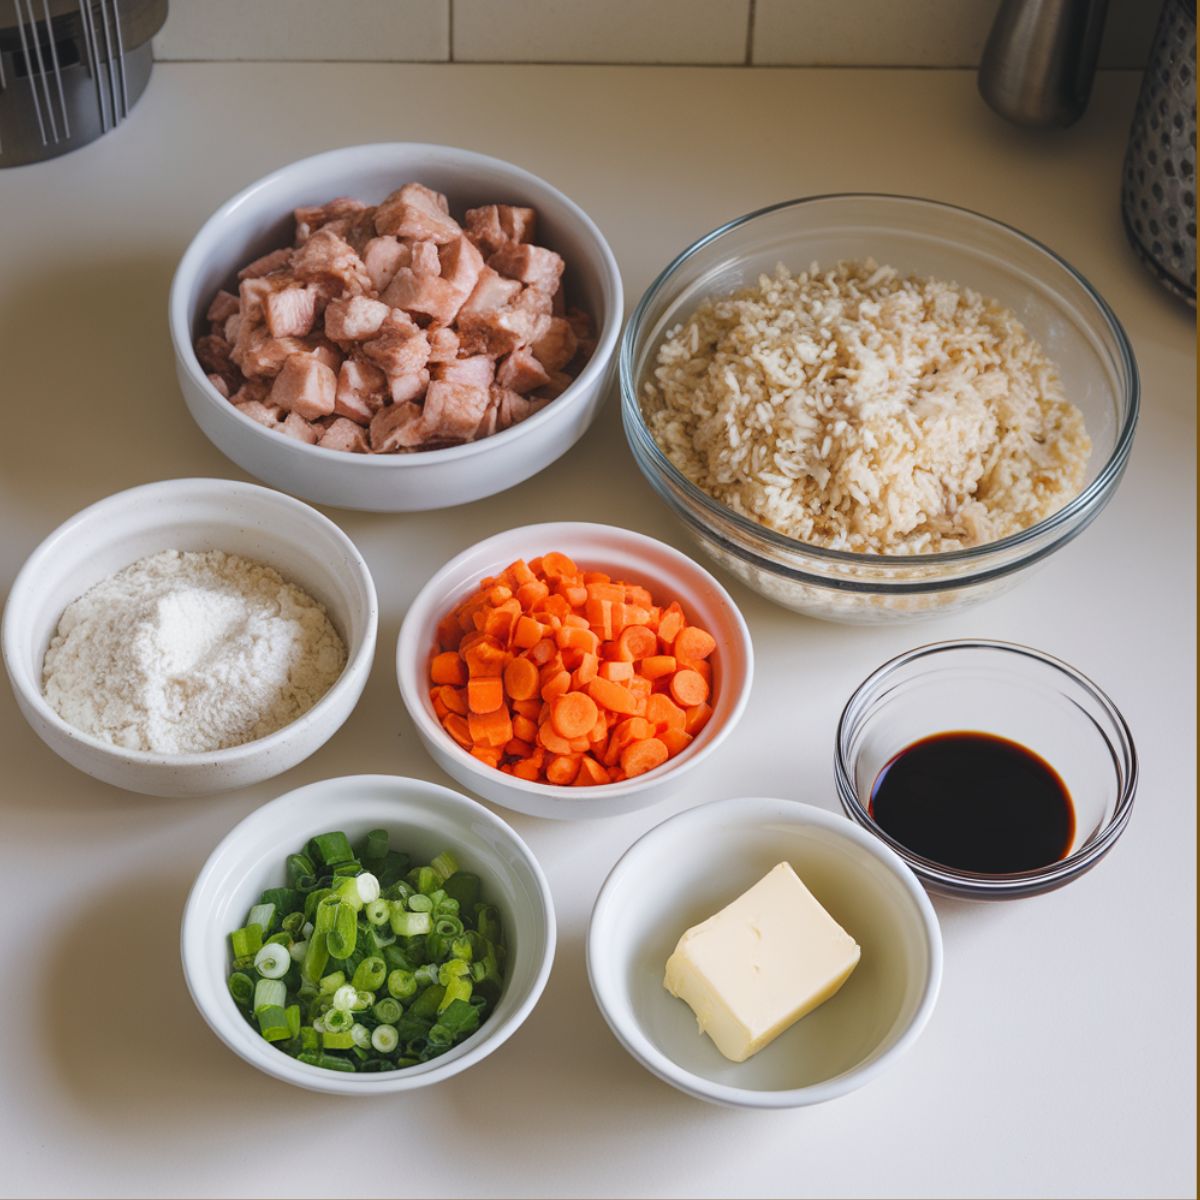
{"type": "Point", "coordinates": [750, 16]}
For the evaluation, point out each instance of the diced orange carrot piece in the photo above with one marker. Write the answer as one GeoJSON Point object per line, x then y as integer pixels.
{"type": "Point", "coordinates": [663, 713]}
{"type": "Point", "coordinates": [551, 740]}
{"type": "Point", "coordinates": [674, 740]}
{"type": "Point", "coordinates": [447, 667]}
{"type": "Point", "coordinates": [485, 694]}
{"type": "Point", "coordinates": [458, 729]}
{"type": "Point", "coordinates": [693, 642]}
{"type": "Point", "coordinates": [697, 718]}
{"type": "Point", "coordinates": [556, 685]}
{"type": "Point", "coordinates": [640, 686]}
{"type": "Point", "coordinates": [520, 572]}
{"type": "Point", "coordinates": [589, 664]}
{"type": "Point", "coordinates": [618, 672]}
{"type": "Point", "coordinates": [449, 634]}
{"type": "Point", "coordinates": [518, 748]}
{"type": "Point", "coordinates": [655, 666]}
{"type": "Point", "coordinates": [524, 728]}
{"type": "Point", "coordinates": [573, 714]}
{"type": "Point", "coordinates": [612, 696]}
{"type": "Point", "coordinates": [498, 594]}
{"type": "Point", "coordinates": [603, 589]}
{"type": "Point", "coordinates": [485, 657]}
{"type": "Point", "coordinates": [640, 757]}
{"type": "Point", "coordinates": [527, 632]}
{"type": "Point", "coordinates": [701, 666]}
{"type": "Point", "coordinates": [688, 688]}
{"type": "Point", "coordinates": [591, 773]}
{"type": "Point", "coordinates": [562, 768]}
{"type": "Point", "coordinates": [599, 615]}
{"type": "Point", "coordinates": [527, 769]}
{"type": "Point", "coordinates": [521, 679]}
{"type": "Point", "coordinates": [670, 623]}
{"type": "Point", "coordinates": [555, 565]}
{"type": "Point", "coordinates": [596, 577]}
{"type": "Point", "coordinates": [455, 699]}
{"type": "Point", "coordinates": [577, 620]}
{"type": "Point", "coordinates": [543, 651]}
{"type": "Point", "coordinates": [532, 593]}
{"type": "Point", "coordinates": [637, 642]}
{"type": "Point", "coordinates": [579, 639]}
{"type": "Point", "coordinates": [487, 754]}
{"type": "Point", "coordinates": [490, 729]}
{"type": "Point", "coordinates": [439, 705]}
{"type": "Point", "coordinates": [530, 708]}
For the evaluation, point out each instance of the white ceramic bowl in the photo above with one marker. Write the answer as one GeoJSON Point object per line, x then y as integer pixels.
{"type": "Point", "coordinates": [305, 547]}
{"type": "Point", "coordinates": [422, 820]}
{"type": "Point", "coordinates": [697, 862]}
{"type": "Point", "coordinates": [259, 219]}
{"type": "Point", "coordinates": [625, 555]}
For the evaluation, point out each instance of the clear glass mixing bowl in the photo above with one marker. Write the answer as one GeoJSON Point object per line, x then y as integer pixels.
{"type": "Point", "coordinates": [1074, 325]}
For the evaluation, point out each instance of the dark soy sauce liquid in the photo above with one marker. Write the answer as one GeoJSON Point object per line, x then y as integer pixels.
{"type": "Point", "coordinates": [976, 802]}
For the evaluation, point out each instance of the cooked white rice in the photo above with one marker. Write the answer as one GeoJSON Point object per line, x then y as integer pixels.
{"type": "Point", "coordinates": [860, 409]}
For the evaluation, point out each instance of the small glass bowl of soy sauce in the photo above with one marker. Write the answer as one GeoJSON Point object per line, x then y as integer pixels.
{"type": "Point", "coordinates": [994, 770]}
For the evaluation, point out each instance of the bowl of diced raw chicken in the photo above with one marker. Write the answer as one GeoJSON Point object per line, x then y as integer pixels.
{"type": "Point", "coordinates": [396, 327]}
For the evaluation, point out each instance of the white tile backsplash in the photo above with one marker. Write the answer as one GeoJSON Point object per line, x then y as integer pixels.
{"type": "Point", "coordinates": [919, 33]}
{"type": "Point", "coordinates": [388, 30]}
{"type": "Point", "coordinates": [915, 33]}
{"type": "Point", "coordinates": [614, 31]}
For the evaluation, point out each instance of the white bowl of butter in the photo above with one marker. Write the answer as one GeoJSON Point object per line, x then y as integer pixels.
{"type": "Point", "coordinates": [855, 951]}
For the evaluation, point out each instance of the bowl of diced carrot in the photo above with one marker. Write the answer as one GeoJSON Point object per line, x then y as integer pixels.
{"type": "Point", "coordinates": [573, 670]}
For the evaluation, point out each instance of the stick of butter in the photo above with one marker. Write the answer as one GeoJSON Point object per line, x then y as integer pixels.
{"type": "Point", "coordinates": [760, 964]}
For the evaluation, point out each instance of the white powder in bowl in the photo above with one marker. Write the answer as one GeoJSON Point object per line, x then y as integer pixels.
{"type": "Point", "coordinates": [185, 652]}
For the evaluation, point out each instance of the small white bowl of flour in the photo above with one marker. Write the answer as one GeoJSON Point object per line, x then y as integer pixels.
{"type": "Point", "coordinates": [191, 636]}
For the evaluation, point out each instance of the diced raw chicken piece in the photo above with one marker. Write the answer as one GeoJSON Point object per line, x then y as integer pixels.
{"type": "Point", "coordinates": [521, 372]}
{"type": "Point", "coordinates": [492, 225]}
{"type": "Point", "coordinates": [453, 410]}
{"type": "Point", "coordinates": [383, 257]}
{"type": "Point", "coordinates": [425, 259]}
{"type": "Point", "coordinates": [232, 325]}
{"type": "Point", "coordinates": [355, 318]}
{"type": "Point", "coordinates": [559, 382]}
{"type": "Point", "coordinates": [443, 343]}
{"type": "Point", "coordinates": [213, 354]}
{"type": "Point", "coordinates": [268, 264]}
{"type": "Point", "coordinates": [408, 387]}
{"type": "Point", "coordinates": [264, 414]}
{"type": "Point", "coordinates": [461, 265]}
{"type": "Point", "coordinates": [513, 408]}
{"type": "Point", "coordinates": [295, 426]}
{"type": "Point", "coordinates": [253, 293]}
{"type": "Point", "coordinates": [312, 217]}
{"type": "Point", "coordinates": [329, 261]}
{"type": "Point", "coordinates": [305, 386]}
{"type": "Point", "coordinates": [424, 295]}
{"type": "Point", "coordinates": [533, 265]}
{"type": "Point", "coordinates": [220, 383]}
{"type": "Point", "coordinates": [478, 370]}
{"type": "Point", "coordinates": [492, 292]}
{"type": "Point", "coordinates": [558, 302]}
{"type": "Point", "coordinates": [291, 311]}
{"type": "Point", "coordinates": [556, 347]}
{"type": "Point", "coordinates": [362, 389]}
{"type": "Point", "coordinates": [397, 427]}
{"type": "Point", "coordinates": [224, 305]}
{"type": "Point", "coordinates": [498, 333]}
{"type": "Point", "coordinates": [263, 356]}
{"type": "Point", "coordinates": [416, 212]}
{"type": "Point", "coordinates": [344, 435]}
{"type": "Point", "coordinates": [400, 348]}
{"type": "Point", "coordinates": [252, 389]}
{"type": "Point", "coordinates": [324, 351]}
{"type": "Point", "coordinates": [360, 230]}
{"type": "Point", "coordinates": [581, 323]}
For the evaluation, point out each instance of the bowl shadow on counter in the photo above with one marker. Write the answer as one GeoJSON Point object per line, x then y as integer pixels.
{"type": "Point", "coordinates": [101, 407]}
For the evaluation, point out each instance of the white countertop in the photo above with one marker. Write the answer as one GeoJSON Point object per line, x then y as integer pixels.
{"type": "Point", "coordinates": [1060, 1060]}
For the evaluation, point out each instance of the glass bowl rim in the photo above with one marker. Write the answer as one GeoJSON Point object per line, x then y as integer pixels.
{"type": "Point", "coordinates": [1091, 496]}
{"type": "Point", "coordinates": [979, 882]}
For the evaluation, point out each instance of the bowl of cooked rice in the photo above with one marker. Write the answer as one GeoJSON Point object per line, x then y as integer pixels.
{"type": "Point", "coordinates": [873, 408]}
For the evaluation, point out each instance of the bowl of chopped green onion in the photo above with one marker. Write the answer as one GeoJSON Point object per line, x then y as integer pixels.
{"type": "Point", "coordinates": [368, 934]}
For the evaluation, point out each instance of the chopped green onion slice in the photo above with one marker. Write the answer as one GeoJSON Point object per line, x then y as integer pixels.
{"type": "Point", "coordinates": [427, 974]}
{"type": "Point", "coordinates": [370, 974]}
{"type": "Point", "coordinates": [330, 983]}
{"type": "Point", "coordinates": [457, 988]}
{"type": "Point", "coordinates": [445, 864]}
{"type": "Point", "coordinates": [316, 956]}
{"type": "Point", "coordinates": [241, 988]}
{"type": "Point", "coordinates": [401, 984]}
{"type": "Point", "coordinates": [337, 1020]}
{"type": "Point", "coordinates": [461, 948]}
{"type": "Point", "coordinates": [261, 915]}
{"type": "Point", "coordinates": [273, 1023]}
{"type": "Point", "coordinates": [246, 941]}
{"type": "Point", "coordinates": [388, 1010]}
{"type": "Point", "coordinates": [361, 1035]}
{"type": "Point", "coordinates": [331, 848]}
{"type": "Point", "coordinates": [344, 997]}
{"type": "Point", "coordinates": [384, 1038]}
{"type": "Point", "coordinates": [297, 951]}
{"type": "Point", "coordinates": [272, 961]}
{"type": "Point", "coordinates": [362, 1001]}
{"type": "Point", "coordinates": [341, 1040]}
{"type": "Point", "coordinates": [410, 924]}
{"type": "Point", "coordinates": [269, 993]}
{"type": "Point", "coordinates": [463, 887]}
{"type": "Point", "coordinates": [374, 846]}
{"type": "Point", "coordinates": [420, 903]}
{"type": "Point", "coordinates": [377, 911]}
{"type": "Point", "coordinates": [343, 936]}
{"type": "Point", "coordinates": [368, 887]}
